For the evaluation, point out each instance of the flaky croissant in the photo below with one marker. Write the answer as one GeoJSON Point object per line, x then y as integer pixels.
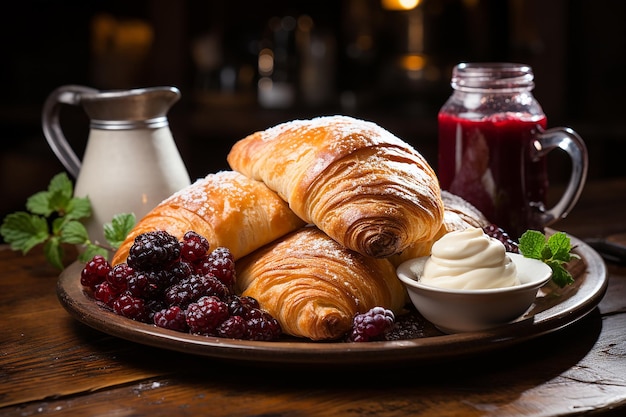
{"type": "Point", "coordinates": [314, 286]}
{"type": "Point", "coordinates": [227, 208]}
{"type": "Point", "coordinates": [458, 215]}
{"type": "Point", "coordinates": [361, 185]}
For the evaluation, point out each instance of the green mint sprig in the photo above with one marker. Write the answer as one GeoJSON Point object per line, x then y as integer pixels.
{"type": "Point", "coordinates": [53, 218]}
{"type": "Point", "coordinates": [554, 251]}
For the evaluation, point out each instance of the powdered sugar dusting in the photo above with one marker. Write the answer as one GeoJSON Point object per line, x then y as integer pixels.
{"type": "Point", "coordinates": [232, 187]}
{"type": "Point", "coordinates": [347, 131]}
{"type": "Point", "coordinates": [316, 242]}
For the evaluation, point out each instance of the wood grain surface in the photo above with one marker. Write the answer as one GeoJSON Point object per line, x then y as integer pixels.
{"type": "Point", "coordinates": [51, 364]}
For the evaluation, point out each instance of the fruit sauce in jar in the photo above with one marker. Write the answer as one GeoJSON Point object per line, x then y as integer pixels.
{"type": "Point", "coordinates": [488, 144]}
{"type": "Point", "coordinates": [488, 161]}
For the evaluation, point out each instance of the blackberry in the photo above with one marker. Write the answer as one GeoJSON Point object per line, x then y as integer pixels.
{"type": "Point", "coordinates": [179, 271]}
{"type": "Point", "coordinates": [234, 327]}
{"type": "Point", "coordinates": [153, 305]}
{"type": "Point", "coordinates": [180, 286]}
{"type": "Point", "coordinates": [140, 285]}
{"type": "Point", "coordinates": [131, 307]}
{"type": "Point", "coordinates": [94, 272]}
{"type": "Point", "coordinates": [206, 314]}
{"type": "Point", "coordinates": [160, 279]}
{"type": "Point", "coordinates": [371, 325]}
{"type": "Point", "coordinates": [193, 247]}
{"type": "Point", "coordinates": [153, 251]}
{"type": "Point", "coordinates": [191, 289]}
{"type": "Point", "coordinates": [241, 305]}
{"type": "Point", "coordinates": [172, 318]}
{"type": "Point", "coordinates": [501, 235]}
{"type": "Point", "coordinates": [262, 326]}
{"type": "Point", "coordinates": [220, 263]}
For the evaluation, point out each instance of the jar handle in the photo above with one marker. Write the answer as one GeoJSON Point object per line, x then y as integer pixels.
{"type": "Point", "coordinates": [68, 94]}
{"type": "Point", "coordinates": [569, 141]}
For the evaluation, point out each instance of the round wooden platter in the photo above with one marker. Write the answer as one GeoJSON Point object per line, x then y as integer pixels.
{"type": "Point", "coordinates": [553, 309]}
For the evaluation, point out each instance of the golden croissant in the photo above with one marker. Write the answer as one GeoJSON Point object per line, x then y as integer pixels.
{"type": "Point", "coordinates": [314, 286]}
{"type": "Point", "coordinates": [227, 208]}
{"type": "Point", "coordinates": [354, 180]}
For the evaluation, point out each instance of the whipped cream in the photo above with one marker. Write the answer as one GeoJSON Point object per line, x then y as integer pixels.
{"type": "Point", "coordinates": [469, 259]}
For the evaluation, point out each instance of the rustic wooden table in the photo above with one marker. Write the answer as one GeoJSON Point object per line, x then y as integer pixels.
{"type": "Point", "coordinates": [52, 364]}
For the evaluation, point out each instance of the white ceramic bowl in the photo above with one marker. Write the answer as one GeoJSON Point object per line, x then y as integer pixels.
{"type": "Point", "coordinates": [454, 311]}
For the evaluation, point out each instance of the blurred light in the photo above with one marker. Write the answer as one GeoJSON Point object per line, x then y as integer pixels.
{"type": "Point", "coordinates": [266, 62]}
{"type": "Point", "coordinates": [400, 4]}
{"type": "Point", "coordinates": [413, 62]}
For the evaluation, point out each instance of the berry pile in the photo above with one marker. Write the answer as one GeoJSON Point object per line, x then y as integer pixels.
{"type": "Point", "coordinates": [179, 285]}
{"type": "Point", "coordinates": [500, 234]}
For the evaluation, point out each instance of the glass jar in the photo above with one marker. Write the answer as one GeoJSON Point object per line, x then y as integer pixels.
{"type": "Point", "coordinates": [493, 145]}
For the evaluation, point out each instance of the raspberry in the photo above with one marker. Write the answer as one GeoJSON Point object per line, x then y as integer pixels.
{"type": "Point", "coordinates": [193, 247]}
{"type": "Point", "coordinates": [172, 318]}
{"type": "Point", "coordinates": [131, 307]}
{"type": "Point", "coordinates": [153, 251]}
{"type": "Point", "coordinates": [118, 276]}
{"type": "Point", "coordinates": [501, 235]}
{"type": "Point", "coordinates": [94, 272]}
{"type": "Point", "coordinates": [105, 293]}
{"type": "Point", "coordinates": [179, 286]}
{"type": "Point", "coordinates": [234, 327]}
{"type": "Point", "coordinates": [262, 326]}
{"type": "Point", "coordinates": [221, 264]}
{"type": "Point", "coordinates": [206, 314]}
{"type": "Point", "coordinates": [371, 325]}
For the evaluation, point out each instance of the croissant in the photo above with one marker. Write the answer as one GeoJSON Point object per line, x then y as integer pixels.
{"type": "Point", "coordinates": [458, 215]}
{"type": "Point", "coordinates": [314, 286]}
{"type": "Point", "coordinates": [354, 180]}
{"type": "Point", "coordinates": [227, 208]}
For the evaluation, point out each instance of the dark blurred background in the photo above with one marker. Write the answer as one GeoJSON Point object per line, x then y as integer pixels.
{"type": "Point", "coordinates": [365, 58]}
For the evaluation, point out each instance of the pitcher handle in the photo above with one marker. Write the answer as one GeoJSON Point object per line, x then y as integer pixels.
{"type": "Point", "coordinates": [572, 144]}
{"type": "Point", "coordinates": [68, 94]}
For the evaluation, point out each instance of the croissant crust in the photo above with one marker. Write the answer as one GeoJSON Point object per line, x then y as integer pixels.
{"type": "Point", "coordinates": [357, 182]}
{"type": "Point", "coordinates": [313, 286]}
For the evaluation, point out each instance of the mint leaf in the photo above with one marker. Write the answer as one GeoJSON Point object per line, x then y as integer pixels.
{"type": "Point", "coordinates": [532, 244]}
{"type": "Point", "coordinates": [60, 192]}
{"type": "Point", "coordinates": [78, 208]}
{"type": "Point", "coordinates": [39, 203]}
{"type": "Point", "coordinates": [52, 220]}
{"type": "Point", "coordinates": [57, 225]}
{"type": "Point", "coordinates": [62, 185]}
{"type": "Point", "coordinates": [116, 231]}
{"type": "Point", "coordinates": [90, 251]}
{"type": "Point", "coordinates": [560, 246]}
{"type": "Point", "coordinates": [560, 275]}
{"type": "Point", "coordinates": [24, 231]}
{"type": "Point", "coordinates": [553, 251]}
{"type": "Point", "coordinates": [53, 251]}
{"type": "Point", "coordinates": [74, 232]}
{"type": "Point", "coordinates": [58, 201]}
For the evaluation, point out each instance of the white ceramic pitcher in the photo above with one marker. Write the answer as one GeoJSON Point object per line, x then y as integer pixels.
{"type": "Point", "coordinates": [131, 162]}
